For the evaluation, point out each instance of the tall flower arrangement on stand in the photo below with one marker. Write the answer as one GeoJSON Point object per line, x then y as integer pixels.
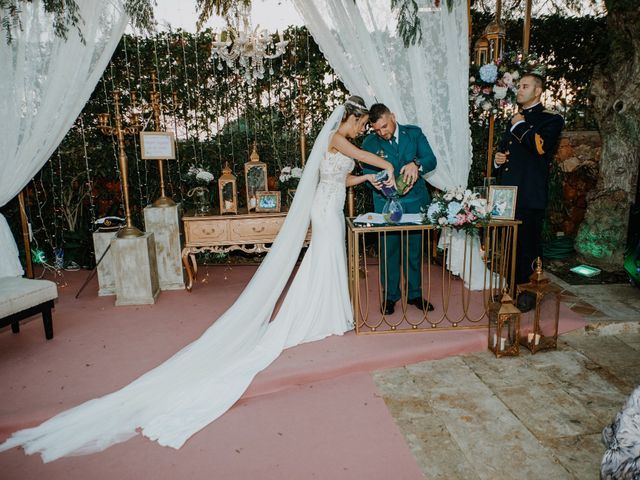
{"type": "Point", "coordinates": [493, 87]}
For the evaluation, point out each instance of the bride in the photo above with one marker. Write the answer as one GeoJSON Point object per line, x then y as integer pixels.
{"type": "Point", "coordinates": [202, 381]}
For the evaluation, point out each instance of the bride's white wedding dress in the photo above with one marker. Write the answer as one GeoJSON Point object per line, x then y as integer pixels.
{"type": "Point", "coordinates": [203, 380]}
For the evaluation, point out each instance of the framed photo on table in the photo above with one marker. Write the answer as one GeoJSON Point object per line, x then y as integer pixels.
{"type": "Point", "coordinates": [267, 201]}
{"type": "Point", "coordinates": [502, 199]}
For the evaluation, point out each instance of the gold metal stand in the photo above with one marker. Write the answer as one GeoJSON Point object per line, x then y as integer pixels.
{"type": "Point", "coordinates": [302, 110]}
{"type": "Point", "coordinates": [162, 200]}
{"type": "Point", "coordinates": [25, 235]}
{"type": "Point", "coordinates": [130, 231]}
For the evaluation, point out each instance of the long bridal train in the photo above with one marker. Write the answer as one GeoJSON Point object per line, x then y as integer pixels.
{"type": "Point", "coordinates": [202, 381]}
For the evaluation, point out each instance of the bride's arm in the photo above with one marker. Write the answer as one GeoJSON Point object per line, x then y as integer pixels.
{"type": "Point", "coordinates": [347, 148]}
{"type": "Point", "coordinates": [358, 179]}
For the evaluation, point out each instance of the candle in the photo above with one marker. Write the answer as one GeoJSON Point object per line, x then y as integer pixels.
{"type": "Point", "coordinates": [502, 340]}
{"type": "Point", "coordinates": [537, 339]}
{"type": "Point", "coordinates": [530, 337]}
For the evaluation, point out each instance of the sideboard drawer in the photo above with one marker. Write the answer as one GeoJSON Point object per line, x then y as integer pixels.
{"type": "Point", "coordinates": [259, 229]}
{"type": "Point", "coordinates": [207, 231]}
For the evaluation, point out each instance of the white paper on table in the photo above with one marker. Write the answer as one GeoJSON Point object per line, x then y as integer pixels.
{"type": "Point", "coordinates": [373, 218]}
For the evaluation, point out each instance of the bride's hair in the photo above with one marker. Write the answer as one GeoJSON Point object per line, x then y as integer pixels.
{"type": "Point", "coordinates": [354, 106]}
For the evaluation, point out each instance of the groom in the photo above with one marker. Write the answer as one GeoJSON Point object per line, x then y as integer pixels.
{"type": "Point", "coordinates": [407, 148]}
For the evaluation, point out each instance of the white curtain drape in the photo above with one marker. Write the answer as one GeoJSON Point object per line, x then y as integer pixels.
{"type": "Point", "coordinates": [45, 83]}
{"type": "Point", "coordinates": [425, 84]}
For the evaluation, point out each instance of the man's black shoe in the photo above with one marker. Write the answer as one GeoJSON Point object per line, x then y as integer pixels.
{"type": "Point", "coordinates": [388, 308]}
{"type": "Point", "coordinates": [526, 302]}
{"type": "Point", "coordinates": [420, 303]}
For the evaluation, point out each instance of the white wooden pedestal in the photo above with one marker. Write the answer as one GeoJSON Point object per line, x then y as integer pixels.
{"type": "Point", "coordinates": [106, 271]}
{"type": "Point", "coordinates": [164, 223]}
{"type": "Point", "coordinates": [136, 270]}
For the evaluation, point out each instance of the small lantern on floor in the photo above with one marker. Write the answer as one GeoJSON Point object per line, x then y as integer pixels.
{"type": "Point", "coordinates": [255, 176]}
{"type": "Point", "coordinates": [541, 331]}
{"type": "Point", "coordinates": [504, 324]}
{"type": "Point", "coordinates": [228, 191]}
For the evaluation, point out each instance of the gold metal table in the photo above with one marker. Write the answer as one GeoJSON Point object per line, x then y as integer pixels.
{"type": "Point", "coordinates": [456, 307]}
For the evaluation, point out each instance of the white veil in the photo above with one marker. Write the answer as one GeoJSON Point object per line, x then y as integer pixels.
{"type": "Point", "coordinates": [203, 380]}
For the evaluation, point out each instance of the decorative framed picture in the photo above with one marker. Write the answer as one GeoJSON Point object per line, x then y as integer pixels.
{"type": "Point", "coordinates": [157, 146]}
{"type": "Point", "coordinates": [267, 201]}
{"type": "Point", "coordinates": [502, 199]}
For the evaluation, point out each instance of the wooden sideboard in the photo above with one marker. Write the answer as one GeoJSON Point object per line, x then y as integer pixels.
{"type": "Point", "coordinates": [250, 233]}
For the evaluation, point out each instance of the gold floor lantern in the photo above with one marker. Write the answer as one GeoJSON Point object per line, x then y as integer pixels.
{"type": "Point", "coordinates": [539, 330]}
{"type": "Point", "coordinates": [504, 325]}
{"type": "Point", "coordinates": [255, 176]}
{"type": "Point", "coordinates": [227, 191]}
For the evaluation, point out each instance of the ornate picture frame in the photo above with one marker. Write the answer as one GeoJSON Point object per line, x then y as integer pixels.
{"type": "Point", "coordinates": [502, 200]}
{"type": "Point", "coordinates": [268, 201]}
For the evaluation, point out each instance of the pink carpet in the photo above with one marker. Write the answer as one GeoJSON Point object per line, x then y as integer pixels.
{"type": "Point", "coordinates": [313, 413]}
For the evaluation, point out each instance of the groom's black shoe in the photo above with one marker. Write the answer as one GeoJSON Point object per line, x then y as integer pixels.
{"type": "Point", "coordinates": [421, 303]}
{"type": "Point", "coordinates": [388, 307]}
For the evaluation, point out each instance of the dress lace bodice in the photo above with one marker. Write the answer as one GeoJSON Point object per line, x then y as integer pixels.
{"type": "Point", "coordinates": [334, 169]}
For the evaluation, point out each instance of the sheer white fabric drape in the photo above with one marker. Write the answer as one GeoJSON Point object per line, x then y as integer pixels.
{"type": "Point", "coordinates": [45, 83]}
{"type": "Point", "coordinates": [425, 84]}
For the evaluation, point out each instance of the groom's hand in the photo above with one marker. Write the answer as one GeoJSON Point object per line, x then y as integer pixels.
{"type": "Point", "coordinates": [410, 175]}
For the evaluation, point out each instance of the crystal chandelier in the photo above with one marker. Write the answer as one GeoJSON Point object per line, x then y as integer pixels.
{"type": "Point", "coordinates": [245, 50]}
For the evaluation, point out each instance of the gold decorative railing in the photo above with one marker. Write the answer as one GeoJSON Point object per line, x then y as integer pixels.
{"type": "Point", "coordinates": [447, 257]}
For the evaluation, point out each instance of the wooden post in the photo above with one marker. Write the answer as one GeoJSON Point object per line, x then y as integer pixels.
{"type": "Point", "coordinates": [526, 28]}
{"type": "Point", "coordinates": [25, 235]}
{"type": "Point", "coordinates": [492, 119]}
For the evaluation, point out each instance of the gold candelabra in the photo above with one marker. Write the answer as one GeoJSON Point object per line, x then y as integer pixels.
{"type": "Point", "coordinates": [302, 110]}
{"type": "Point", "coordinates": [156, 106]}
{"type": "Point", "coordinates": [129, 231]}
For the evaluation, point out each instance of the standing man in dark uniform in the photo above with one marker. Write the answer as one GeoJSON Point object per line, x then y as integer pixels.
{"type": "Point", "coordinates": [407, 148]}
{"type": "Point", "coordinates": [524, 159]}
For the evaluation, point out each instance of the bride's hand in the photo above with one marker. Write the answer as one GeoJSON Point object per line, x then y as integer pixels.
{"type": "Point", "coordinates": [371, 177]}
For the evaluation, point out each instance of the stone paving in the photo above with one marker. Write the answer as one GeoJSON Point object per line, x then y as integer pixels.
{"type": "Point", "coordinates": [533, 416]}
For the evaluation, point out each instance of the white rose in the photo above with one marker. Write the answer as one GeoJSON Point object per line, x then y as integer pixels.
{"type": "Point", "coordinates": [499, 92]}
{"type": "Point", "coordinates": [515, 75]}
{"type": "Point", "coordinates": [486, 106]}
{"type": "Point", "coordinates": [442, 220]}
{"type": "Point", "coordinates": [448, 196]}
{"type": "Point", "coordinates": [286, 170]}
{"type": "Point", "coordinates": [296, 172]}
{"type": "Point", "coordinates": [458, 196]}
{"type": "Point", "coordinates": [507, 78]}
{"type": "Point", "coordinates": [472, 79]}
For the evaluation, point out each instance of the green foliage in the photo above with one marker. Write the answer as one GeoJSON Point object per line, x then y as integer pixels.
{"type": "Point", "coordinates": [65, 14]}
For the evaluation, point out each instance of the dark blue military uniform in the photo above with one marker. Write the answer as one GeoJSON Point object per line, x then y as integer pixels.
{"type": "Point", "coordinates": [531, 145]}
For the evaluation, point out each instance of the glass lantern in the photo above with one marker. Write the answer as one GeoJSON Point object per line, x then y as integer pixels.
{"type": "Point", "coordinates": [539, 327]}
{"type": "Point", "coordinates": [227, 191]}
{"type": "Point", "coordinates": [255, 176]}
{"type": "Point", "coordinates": [504, 325]}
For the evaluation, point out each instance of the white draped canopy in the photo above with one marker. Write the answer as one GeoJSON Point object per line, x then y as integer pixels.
{"type": "Point", "coordinates": [45, 82]}
{"type": "Point", "coordinates": [425, 84]}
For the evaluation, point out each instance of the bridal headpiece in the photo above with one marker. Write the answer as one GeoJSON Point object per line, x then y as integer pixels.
{"type": "Point", "coordinates": [355, 104]}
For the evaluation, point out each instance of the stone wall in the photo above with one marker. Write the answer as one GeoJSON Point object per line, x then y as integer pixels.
{"type": "Point", "coordinates": [578, 157]}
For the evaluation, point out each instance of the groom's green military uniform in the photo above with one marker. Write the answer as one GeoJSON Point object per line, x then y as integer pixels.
{"type": "Point", "coordinates": [412, 146]}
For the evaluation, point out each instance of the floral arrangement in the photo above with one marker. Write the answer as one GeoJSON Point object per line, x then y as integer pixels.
{"type": "Point", "coordinates": [457, 208]}
{"type": "Point", "coordinates": [493, 87]}
{"type": "Point", "coordinates": [290, 177]}
{"type": "Point", "coordinates": [200, 176]}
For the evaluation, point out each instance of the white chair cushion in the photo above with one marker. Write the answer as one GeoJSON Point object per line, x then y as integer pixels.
{"type": "Point", "coordinates": [18, 294]}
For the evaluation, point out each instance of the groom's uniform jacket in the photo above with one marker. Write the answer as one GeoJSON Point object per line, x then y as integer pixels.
{"type": "Point", "coordinates": [412, 144]}
{"type": "Point", "coordinates": [531, 145]}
